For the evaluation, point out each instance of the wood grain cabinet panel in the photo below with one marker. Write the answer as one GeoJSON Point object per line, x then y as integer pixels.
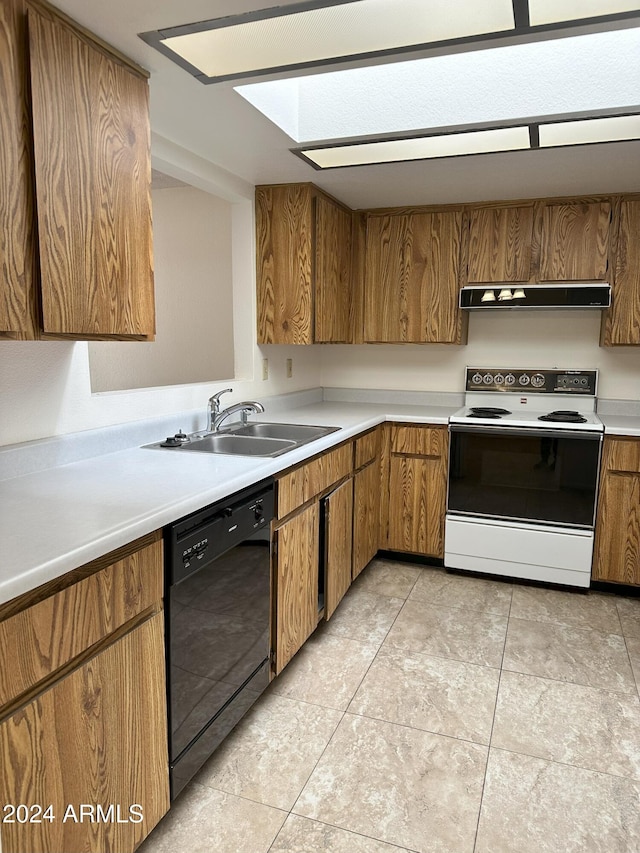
{"type": "Point", "coordinates": [297, 547]}
{"type": "Point", "coordinates": [338, 515]}
{"type": "Point", "coordinates": [412, 278]}
{"type": "Point", "coordinates": [367, 447]}
{"type": "Point", "coordinates": [93, 173]}
{"type": "Point", "coordinates": [500, 244]}
{"type": "Point", "coordinates": [621, 323]}
{"type": "Point", "coordinates": [417, 490]}
{"type": "Point", "coordinates": [17, 247]}
{"type": "Point", "coordinates": [366, 515]}
{"type": "Point", "coordinates": [46, 636]}
{"type": "Point", "coordinates": [310, 479]}
{"type": "Point", "coordinates": [303, 241]}
{"type": "Point", "coordinates": [98, 736]}
{"type": "Point", "coordinates": [617, 543]}
{"type": "Point", "coordinates": [575, 241]}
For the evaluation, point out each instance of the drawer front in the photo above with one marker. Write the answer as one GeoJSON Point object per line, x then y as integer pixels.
{"type": "Point", "coordinates": [621, 454]}
{"type": "Point", "coordinates": [39, 640]}
{"type": "Point", "coordinates": [307, 481]}
{"type": "Point", "coordinates": [419, 440]}
{"type": "Point", "coordinates": [367, 448]}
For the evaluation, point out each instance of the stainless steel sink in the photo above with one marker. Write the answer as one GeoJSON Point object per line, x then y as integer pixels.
{"type": "Point", "coordinates": [239, 445]}
{"type": "Point", "coordinates": [300, 433]}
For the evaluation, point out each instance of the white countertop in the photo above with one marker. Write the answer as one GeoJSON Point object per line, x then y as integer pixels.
{"type": "Point", "coordinates": [621, 425]}
{"type": "Point", "coordinates": [58, 519]}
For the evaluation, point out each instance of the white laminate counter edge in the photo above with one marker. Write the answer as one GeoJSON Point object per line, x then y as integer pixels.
{"type": "Point", "coordinates": [58, 519]}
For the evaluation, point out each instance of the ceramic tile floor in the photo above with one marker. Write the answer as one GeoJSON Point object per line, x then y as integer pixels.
{"type": "Point", "coordinates": [435, 713]}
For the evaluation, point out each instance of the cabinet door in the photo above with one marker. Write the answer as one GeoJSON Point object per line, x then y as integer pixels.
{"type": "Point", "coordinates": [297, 550]}
{"type": "Point", "coordinates": [617, 545]}
{"type": "Point", "coordinates": [17, 250]}
{"type": "Point", "coordinates": [97, 737]}
{"type": "Point", "coordinates": [338, 509]}
{"type": "Point", "coordinates": [284, 258]}
{"type": "Point", "coordinates": [412, 278]}
{"type": "Point", "coordinates": [500, 244]}
{"type": "Point", "coordinates": [93, 173]}
{"type": "Point", "coordinates": [575, 241]}
{"type": "Point", "coordinates": [621, 323]}
{"type": "Point", "coordinates": [417, 490]}
{"type": "Point", "coordinates": [366, 516]}
{"type": "Point", "coordinates": [332, 272]}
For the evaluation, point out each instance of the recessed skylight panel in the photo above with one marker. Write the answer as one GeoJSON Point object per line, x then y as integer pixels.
{"type": "Point", "coordinates": [235, 46]}
{"type": "Point", "coordinates": [553, 11]}
{"type": "Point", "coordinates": [588, 131]}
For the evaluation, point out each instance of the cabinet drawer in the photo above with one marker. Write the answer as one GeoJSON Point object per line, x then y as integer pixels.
{"type": "Point", "coordinates": [621, 455]}
{"type": "Point", "coordinates": [367, 448]}
{"type": "Point", "coordinates": [307, 481]}
{"type": "Point", "coordinates": [44, 637]}
{"type": "Point", "coordinates": [419, 440]}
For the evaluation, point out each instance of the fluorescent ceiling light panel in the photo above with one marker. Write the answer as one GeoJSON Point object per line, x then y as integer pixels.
{"type": "Point", "coordinates": [582, 74]}
{"type": "Point", "coordinates": [589, 131]}
{"type": "Point", "coordinates": [348, 29]}
{"type": "Point", "coordinates": [393, 151]}
{"type": "Point", "coordinates": [554, 11]}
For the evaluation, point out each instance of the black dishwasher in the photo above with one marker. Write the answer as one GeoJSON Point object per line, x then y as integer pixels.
{"type": "Point", "coordinates": [217, 623]}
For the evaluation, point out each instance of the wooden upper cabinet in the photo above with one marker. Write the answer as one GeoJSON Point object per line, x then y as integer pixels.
{"type": "Point", "coordinates": [93, 174]}
{"type": "Point", "coordinates": [574, 242]}
{"type": "Point", "coordinates": [500, 244]}
{"type": "Point", "coordinates": [412, 278]}
{"type": "Point", "coordinates": [621, 323]}
{"type": "Point", "coordinates": [303, 241]}
{"type": "Point", "coordinates": [17, 253]}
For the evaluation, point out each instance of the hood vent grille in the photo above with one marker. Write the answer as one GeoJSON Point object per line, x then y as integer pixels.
{"type": "Point", "coordinates": [558, 295]}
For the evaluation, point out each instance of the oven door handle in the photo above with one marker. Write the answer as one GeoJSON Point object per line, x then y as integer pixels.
{"type": "Point", "coordinates": [523, 432]}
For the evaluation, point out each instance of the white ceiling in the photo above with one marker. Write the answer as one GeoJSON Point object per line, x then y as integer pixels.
{"type": "Point", "coordinates": [217, 124]}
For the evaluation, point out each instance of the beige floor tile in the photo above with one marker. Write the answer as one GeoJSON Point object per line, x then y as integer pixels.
{"type": "Point", "coordinates": [576, 609]}
{"type": "Point", "coordinates": [629, 610]}
{"type": "Point", "coordinates": [326, 671]}
{"type": "Point", "coordinates": [300, 835]}
{"type": "Point", "coordinates": [388, 577]}
{"type": "Point", "coordinates": [202, 821]}
{"type": "Point", "coordinates": [399, 785]}
{"type": "Point", "coordinates": [633, 648]}
{"type": "Point", "coordinates": [535, 806]}
{"type": "Point", "coordinates": [268, 757]}
{"type": "Point", "coordinates": [467, 635]}
{"type": "Point", "coordinates": [440, 587]}
{"type": "Point", "coordinates": [579, 655]}
{"type": "Point", "coordinates": [447, 697]}
{"type": "Point", "coordinates": [568, 723]}
{"type": "Point", "coordinates": [364, 616]}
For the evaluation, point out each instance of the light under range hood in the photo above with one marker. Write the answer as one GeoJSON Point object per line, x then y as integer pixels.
{"type": "Point", "coordinates": [558, 295]}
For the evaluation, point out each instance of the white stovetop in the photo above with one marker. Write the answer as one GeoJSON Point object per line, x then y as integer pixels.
{"type": "Point", "coordinates": [524, 410]}
{"type": "Point", "coordinates": [58, 519]}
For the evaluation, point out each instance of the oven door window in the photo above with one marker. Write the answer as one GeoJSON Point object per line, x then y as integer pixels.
{"type": "Point", "coordinates": [543, 476]}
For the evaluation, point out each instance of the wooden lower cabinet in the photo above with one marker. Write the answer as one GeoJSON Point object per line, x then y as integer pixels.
{"type": "Point", "coordinates": [617, 544]}
{"type": "Point", "coordinates": [95, 739]}
{"type": "Point", "coordinates": [417, 490]}
{"type": "Point", "coordinates": [296, 549]}
{"type": "Point", "coordinates": [366, 515]}
{"type": "Point", "coordinates": [338, 515]}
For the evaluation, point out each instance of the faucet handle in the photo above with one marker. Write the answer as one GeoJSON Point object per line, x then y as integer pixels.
{"type": "Point", "coordinates": [214, 401]}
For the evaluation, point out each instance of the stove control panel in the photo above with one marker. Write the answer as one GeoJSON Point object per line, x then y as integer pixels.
{"type": "Point", "coordinates": [534, 380]}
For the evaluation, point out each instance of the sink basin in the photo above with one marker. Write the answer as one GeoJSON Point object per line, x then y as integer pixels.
{"type": "Point", "coordinates": [239, 445]}
{"type": "Point", "coordinates": [300, 433]}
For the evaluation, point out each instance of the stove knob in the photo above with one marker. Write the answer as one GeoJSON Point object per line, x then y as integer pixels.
{"type": "Point", "coordinates": [498, 379]}
{"type": "Point", "coordinates": [537, 380]}
{"type": "Point", "coordinates": [487, 379]}
{"type": "Point", "coordinates": [476, 378]}
{"type": "Point", "coordinates": [509, 379]}
{"type": "Point", "coordinates": [524, 379]}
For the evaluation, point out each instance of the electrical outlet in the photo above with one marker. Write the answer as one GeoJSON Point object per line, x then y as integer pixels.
{"type": "Point", "coordinates": [289, 368]}
{"type": "Point", "coordinates": [265, 368]}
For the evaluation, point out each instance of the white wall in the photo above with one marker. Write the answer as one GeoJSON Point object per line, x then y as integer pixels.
{"type": "Point", "coordinates": [542, 339]}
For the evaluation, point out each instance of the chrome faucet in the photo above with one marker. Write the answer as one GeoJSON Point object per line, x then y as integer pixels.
{"type": "Point", "coordinates": [245, 409]}
{"type": "Point", "coordinates": [214, 407]}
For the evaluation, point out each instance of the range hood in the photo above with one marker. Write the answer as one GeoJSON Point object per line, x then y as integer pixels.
{"type": "Point", "coordinates": [559, 295]}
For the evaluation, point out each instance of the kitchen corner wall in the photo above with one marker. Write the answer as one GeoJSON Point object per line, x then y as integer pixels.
{"type": "Point", "coordinates": [542, 339]}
